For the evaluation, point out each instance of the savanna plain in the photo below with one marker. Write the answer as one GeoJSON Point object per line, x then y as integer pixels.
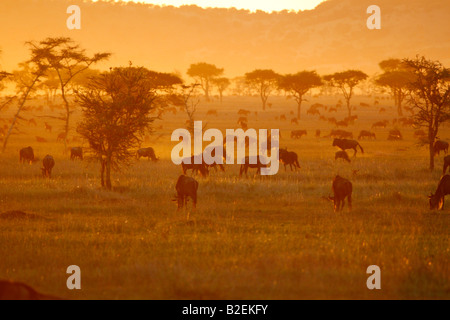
{"type": "Point", "coordinates": [269, 237]}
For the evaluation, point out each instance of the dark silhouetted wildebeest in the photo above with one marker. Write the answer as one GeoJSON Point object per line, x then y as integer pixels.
{"type": "Point", "coordinates": [148, 153]}
{"type": "Point", "coordinates": [10, 290]}
{"type": "Point", "coordinates": [244, 112]}
{"type": "Point", "coordinates": [380, 124]}
{"type": "Point", "coordinates": [395, 135]}
{"type": "Point", "coordinates": [246, 165]}
{"type": "Point", "coordinates": [26, 155]}
{"type": "Point", "coordinates": [345, 144]}
{"type": "Point", "coordinates": [76, 152]}
{"type": "Point", "coordinates": [47, 165]}
{"type": "Point", "coordinates": [211, 112]}
{"type": "Point", "coordinates": [437, 199]}
{"type": "Point", "coordinates": [294, 121]}
{"type": "Point", "coordinates": [186, 187]}
{"type": "Point", "coordinates": [366, 134]}
{"type": "Point", "coordinates": [342, 188]}
{"type": "Point", "coordinates": [289, 158]}
{"type": "Point", "coordinates": [446, 164]}
{"type": "Point", "coordinates": [341, 134]}
{"type": "Point", "coordinates": [341, 155]}
{"type": "Point", "coordinates": [200, 167]}
{"type": "Point", "coordinates": [439, 146]}
{"type": "Point", "coordinates": [297, 134]}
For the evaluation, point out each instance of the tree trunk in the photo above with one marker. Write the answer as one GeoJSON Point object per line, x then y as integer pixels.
{"type": "Point", "coordinates": [299, 108]}
{"type": "Point", "coordinates": [66, 125]}
{"type": "Point", "coordinates": [349, 108]}
{"type": "Point", "coordinates": [102, 172]}
{"type": "Point", "coordinates": [431, 155]}
{"type": "Point", "coordinates": [108, 173]}
{"type": "Point", "coordinates": [207, 90]}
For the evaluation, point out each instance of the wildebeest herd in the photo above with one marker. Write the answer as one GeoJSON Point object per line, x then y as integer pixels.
{"type": "Point", "coordinates": [186, 187]}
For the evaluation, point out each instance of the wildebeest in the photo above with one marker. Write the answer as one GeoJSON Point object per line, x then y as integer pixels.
{"type": "Point", "coordinates": [317, 133]}
{"type": "Point", "coordinates": [294, 121]}
{"type": "Point", "coordinates": [146, 152]}
{"type": "Point", "coordinates": [244, 112]}
{"type": "Point", "coordinates": [61, 136]}
{"type": "Point", "coordinates": [341, 155]}
{"type": "Point", "coordinates": [246, 165]}
{"type": "Point", "coordinates": [341, 134]}
{"type": "Point", "coordinates": [211, 112]}
{"type": "Point", "coordinates": [26, 155]}
{"type": "Point", "coordinates": [380, 124]}
{"type": "Point", "coordinates": [283, 117]}
{"type": "Point", "coordinates": [48, 163]}
{"type": "Point", "coordinates": [186, 187]}
{"type": "Point", "coordinates": [313, 111]}
{"type": "Point", "coordinates": [40, 139]}
{"type": "Point", "coordinates": [439, 146]}
{"type": "Point", "coordinates": [342, 188]}
{"type": "Point", "coordinates": [395, 135]}
{"type": "Point", "coordinates": [437, 199]}
{"type": "Point", "coordinates": [297, 134]}
{"type": "Point", "coordinates": [342, 123]}
{"type": "Point", "coordinates": [201, 167]}
{"type": "Point", "coordinates": [345, 144]}
{"type": "Point", "coordinates": [48, 127]}
{"type": "Point", "coordinates": [366, 134]}
{"type": "Point", "coordinates": [10, 290]}
{"type": "Point", "coordinates": [76, 152]}
{"type": "Point", "coordinates": [446, 163]}
{"type": "Point", "coordinates": [289, 158]}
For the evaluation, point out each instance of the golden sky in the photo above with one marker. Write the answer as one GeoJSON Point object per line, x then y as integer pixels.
{"type": "Point", "coordinates": [253, 5]}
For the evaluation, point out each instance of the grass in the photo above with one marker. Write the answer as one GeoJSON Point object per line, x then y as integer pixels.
{"type": "Point", "coordinates": [250, 238]}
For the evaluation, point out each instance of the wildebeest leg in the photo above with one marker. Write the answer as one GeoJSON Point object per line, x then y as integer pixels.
{"type": "Point", "coordinates": [350, 202]}
{"type": "Point", "coordinates": [354, 155]}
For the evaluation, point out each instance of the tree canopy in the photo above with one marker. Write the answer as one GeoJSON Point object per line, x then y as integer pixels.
{"type": "Point", "coordinates": [264, 81]}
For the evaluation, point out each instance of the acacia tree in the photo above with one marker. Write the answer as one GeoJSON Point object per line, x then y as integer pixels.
{"type": "Point", "coordinates": [264, 81]}
{"type": "Point", "coordinates": [204, 73]}
{"type": "Point", "coordinates": [221, 84]}
{"type": "Point", "coordinates": [395, 77]}
{"type": "Point", "coordinates": [297, 85]}
{"type": "Point", "coordinates": [25, 80]}
{"type": "Point", "coordinates": [346, 81]}
{"type": "Point", "coordinates": [68, 60]}
{"type": "Point", "coordinates": [429, 94]}
{"type": "Point", "coordinates": [118, 106]}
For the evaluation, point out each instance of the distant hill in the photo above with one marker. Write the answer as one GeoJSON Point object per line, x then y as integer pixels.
{"type": "Point", "coordinates": [329, 38]}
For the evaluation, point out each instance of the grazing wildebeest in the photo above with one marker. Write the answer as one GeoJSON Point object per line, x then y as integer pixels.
{"type": "Point", "coordinates": [380, 124]}
{"type": "Point", "coordinates": [61, 136]}
{"type": "Point", "coordinates": [48, 127]}
{"type": "Point", "coordinates": [26, 155]}
{"type": "Point", "coordinates": [48, 163]}
{"type": "Point", "coordinates": [446, 163]}
{"type": "Point", "coordinates": [437, 199]}
{"type": "Point", "coordinates": [345, 144]}
{"type": "Point", "coordinates": [243, 112]}
{"type": "Point", "coordinates": [211, 112]}
{"type": "Point", "coordinates": [10, 290]}
{"type": "Point", "coordinates": [146, 152]}
{"type": "Point", "coordinates": [40, 139]}
{"type": "Point", "coordinates": [341, 134]}
{"type": "Point", "coordinates": [289, 158]}
{"type": "Point", "coordinates": [395, 135]}
{"type": "Point", "coordinates": [313, 111]}
{"type": "Point", "coordinates": [297, 134]}
{"type": "Point", "coordinates": [341, 155]}
{"type": "Point", "coordinates": [76, 152]}
{"type": "Point", "coordinates": [186, 187]}
{"type": "Point", "coordinates": [342, 188]}
{"type": "Point", "coordinates": [244, 167]}
{"type": "Point", "coordinates": [341, 123]}
{"type": "Point", "coordinates": [366, 134]}
{"type": "Point", "coordinates": [439, 146]}
{"type": "Point", "coordinates": [294, 121]}
{"type": "Point", "coordinates": [201, 167]}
